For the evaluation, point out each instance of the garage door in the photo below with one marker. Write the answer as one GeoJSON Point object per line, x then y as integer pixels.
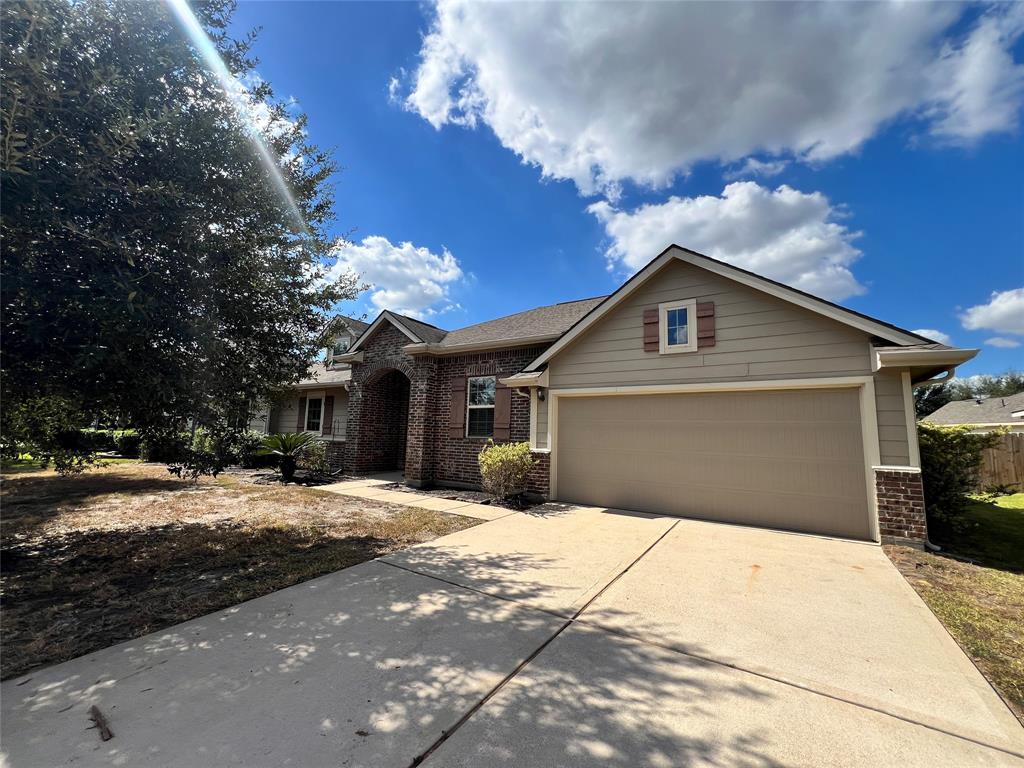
{"type": "Point", "coordinates": [780, 459]}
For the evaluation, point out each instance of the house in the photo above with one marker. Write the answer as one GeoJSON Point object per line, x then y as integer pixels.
{"type": "Point", "coordinates": [984, 413]}
{"type": "Point", "coordinates": [696, 389]}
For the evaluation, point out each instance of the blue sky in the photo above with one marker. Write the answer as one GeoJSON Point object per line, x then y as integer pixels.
{"type": "Point", "coordinates": [498, 158]}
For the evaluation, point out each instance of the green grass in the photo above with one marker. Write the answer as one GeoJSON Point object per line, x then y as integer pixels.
{"type": "Point", "coordinates": [994, 532]}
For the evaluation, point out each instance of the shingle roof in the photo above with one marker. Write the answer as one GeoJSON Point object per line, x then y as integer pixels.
{"type": "Point", "coordinates": [319, 373]}
{"type": "Point", "coordinates": [552, 320]}
{"type": "Point", "coordinates": [358, 326]}
{"type": "Point", "coordinates": [991, 410]}
{"type": "Point", "coordinates": [425, 331]}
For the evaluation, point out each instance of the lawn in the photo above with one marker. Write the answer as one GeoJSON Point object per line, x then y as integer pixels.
{"type": "Point", "coordinates": [976, 589]}
{"type": "Point", "coordinates": [128, 549]}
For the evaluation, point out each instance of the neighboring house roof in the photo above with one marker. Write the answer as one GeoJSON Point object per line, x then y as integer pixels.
{"type": "Point", "coordinates": [356, 326]}
{"type": "Point", "coordinates": [876, 328]}
{"type": "Point", "coordinates": [320, 375]}
{"type": "Point", "coordinates": [990, 410]}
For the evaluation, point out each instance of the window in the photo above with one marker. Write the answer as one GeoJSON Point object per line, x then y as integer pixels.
{"type": "Point", "coordinates": [314, 413]}
{"type": "Point", "coordinates": [677, 326]}
{"type": "Point", "coordinates": [480, 406]}
{"type": "Point", "coordinates": [341, 345]}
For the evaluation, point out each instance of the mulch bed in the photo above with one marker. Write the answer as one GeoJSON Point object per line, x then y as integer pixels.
{"type": "Point", "coordinates": [517, 503]}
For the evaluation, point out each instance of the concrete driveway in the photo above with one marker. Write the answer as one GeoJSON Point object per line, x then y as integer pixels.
{"type": "Point", "coordinates": [564, 638]}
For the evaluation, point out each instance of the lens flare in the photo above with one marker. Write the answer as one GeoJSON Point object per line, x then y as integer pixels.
{"type": "Point", "coordinates": [235, 95]}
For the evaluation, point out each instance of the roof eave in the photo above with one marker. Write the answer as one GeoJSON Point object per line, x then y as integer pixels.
{"type": "Point", "coordinates": [422, 348]}
{"type": "Point", "coordinates": [929, 358]}
{"type": "Point", "coordinates": [773, 288]}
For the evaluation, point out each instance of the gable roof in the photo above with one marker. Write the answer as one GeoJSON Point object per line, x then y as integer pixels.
{"type": "Point", "coordinates": [417, 331]}
{"type": "Point", "coordinates": [883, 330]}
{"type": "Point", "coordinates": [356, 326]}
{"type": "Point", "coordinates": [991, 410]}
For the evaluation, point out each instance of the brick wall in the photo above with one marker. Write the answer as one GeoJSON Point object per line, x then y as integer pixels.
{"type": "Point", "coordinates": [431, 455]}
{"type": "Point", "coordinates": [335, 450]}
{"type": "Point", "coordinates": [537, 484]}
{"type": "Point", "coordinates": [455, 459]}
{"type": "Point", "coordinates": [901, 515]}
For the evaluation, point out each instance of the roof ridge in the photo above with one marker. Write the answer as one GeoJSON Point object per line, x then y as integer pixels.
{"type": "Point", "coordinates": [531, 309]}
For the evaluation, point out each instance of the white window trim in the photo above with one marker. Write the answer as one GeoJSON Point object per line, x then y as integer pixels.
{"type": "Point", "coordinates": [664, 348]}
{"type": "Point", "coordinates": [310, 396]}
{"type": "Point", "coordinates": [469, 389]}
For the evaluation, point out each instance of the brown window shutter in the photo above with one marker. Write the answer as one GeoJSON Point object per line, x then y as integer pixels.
{"type": "Point", "coordinates": [705, 324]}
{"type": "Point", "coordinates": [300, 422]}
{"type": "Point", "coordinates": [457, 415]}
{"type": "Point", "coordinates": [651, 340]}
{"type": "Point", "coordinates": [327, 425]}
{"type": "Point", "coordinates": [502, 411]}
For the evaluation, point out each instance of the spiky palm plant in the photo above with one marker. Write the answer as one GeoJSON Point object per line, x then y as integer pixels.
{"type": "Point", "coordinates": [288, 447]}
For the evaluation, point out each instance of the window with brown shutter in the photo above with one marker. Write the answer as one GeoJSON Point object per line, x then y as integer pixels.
{"type": "Point", "coordinates": [651, 330]}
{"type": "Point", "coordinates": [502, 412]}
{"type": "Point", "coordinates": [328, 426]}
{"type": "Point", "coordinates": [705, 324]}
{"type": "Point", "coordinates": [300, 421]}
{"type": "Point", "coordinates": [457, 413]}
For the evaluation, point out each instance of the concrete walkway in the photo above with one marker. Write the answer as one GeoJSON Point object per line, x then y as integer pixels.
{"type": "Point", "coordinates": [371, 488]}
{"type": "Point", "coordinates": [566, 637]}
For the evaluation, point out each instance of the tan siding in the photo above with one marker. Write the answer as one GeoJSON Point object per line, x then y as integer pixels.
{"type": "Point", "coordinates": [287, 413]}
{"type": "Point", "coordinates": [758, 337]}
{"type": "Point", "coordinates": [892, 423]}
{"type": "Point", "coordinates": [542, 423]}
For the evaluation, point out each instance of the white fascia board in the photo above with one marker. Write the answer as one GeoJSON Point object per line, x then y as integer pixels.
{"type": "Point", "coordinates": [531, 379]}
{"type": "Point", "coordinates": [905, 358]}
{"type": "Point", "coordinates": [383, 317]}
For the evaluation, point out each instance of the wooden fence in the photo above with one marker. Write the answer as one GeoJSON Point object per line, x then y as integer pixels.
{"type": "Point", "coordinates": [1003, 465]}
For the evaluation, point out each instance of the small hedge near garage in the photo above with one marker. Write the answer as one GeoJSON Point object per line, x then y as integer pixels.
{"type": "Point", "coordinates": [505, 467]}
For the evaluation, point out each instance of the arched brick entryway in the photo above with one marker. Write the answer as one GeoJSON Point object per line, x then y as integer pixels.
{"type": "Point", "coordinates": [384, 421]}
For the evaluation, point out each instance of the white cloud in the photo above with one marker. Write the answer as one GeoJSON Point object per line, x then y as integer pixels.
{"type": "Point", "coordinates": [978, 86]}
{"type": "Point", "coordinates": [600, 93]}
{"type": "Point", "coordinates": [1002, 343]}
{"type": "Point", "coordinates": [784, 234]}
{"type": "Point", "coordinates": [934, 335]}
{"type": "Point", "coordinates": [404, 278]}
{"type": "Point", "coordinates": [1004, 313]}
{"type": "Point", "coordinates": [754, 167]}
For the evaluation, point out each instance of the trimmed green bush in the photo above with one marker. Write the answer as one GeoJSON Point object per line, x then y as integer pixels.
{"type": "Point", "coordinates": [314, 458]}
{"type": "Point", "coordinates": [289, 448]}
{"type": "Point", "coordinates": [98, 439]}
{"type": "Point", "coordinates": [950, 460]}
{"type": "Point", "coordinates": [164, 445]}
{"type": "Point", "coordinates": [127, 443]}
{"type": "Point", "coordinates": [505, 468]}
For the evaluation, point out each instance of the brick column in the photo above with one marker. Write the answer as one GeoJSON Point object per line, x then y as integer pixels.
{"type": "Point", "coordinates": [417, 465]}
{"type": "Point", "coordinates": [900, 496]}
{"type": "Point", "coordinates": [537, 484]}
{"type": "Point", "coordinates": [353, 420]}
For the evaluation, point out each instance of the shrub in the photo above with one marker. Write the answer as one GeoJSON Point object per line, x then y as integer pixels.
{"type": "Point", "coordinates": [98, 439]}
{"type": "Point", "coordinates": [249, 444]}
{"type": "Point", "coordinates": [288, 448]}
{"type": "Point", "coordinates": [505, 468]}
{"type": "Point", "coordinates": [168, 445]}
{"type": "Point", "coordinates": [127, 443]}
{"type": "Point", "coordinates": [313, 458]}
{"type": "Point", "coordinates": [950, 460]}
{"type": "Point", "coordinates": [50, 428]}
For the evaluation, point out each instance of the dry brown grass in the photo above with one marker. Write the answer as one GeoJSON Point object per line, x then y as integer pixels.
{"type": "Point", "coordinates": [981, 607]}
{"type": "Point", "coordinates": [123, 550]}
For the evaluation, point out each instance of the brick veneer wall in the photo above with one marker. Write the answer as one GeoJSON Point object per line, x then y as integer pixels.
{"type": "Point", "coordinates": [431, 455]}
{"type": "Point", "coordinates": [335, 453]}
{"type": "Point", "coordinates": [455, 459]}
{"type": "Point", "coordinates": [901, 515]}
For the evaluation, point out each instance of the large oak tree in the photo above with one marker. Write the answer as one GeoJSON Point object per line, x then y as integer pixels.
{"type": "Point", "coordinates": [150, 265]}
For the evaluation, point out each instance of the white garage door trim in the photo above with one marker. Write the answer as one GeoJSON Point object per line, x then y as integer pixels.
{"type": "Point", "coordinates": [868, 417]}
